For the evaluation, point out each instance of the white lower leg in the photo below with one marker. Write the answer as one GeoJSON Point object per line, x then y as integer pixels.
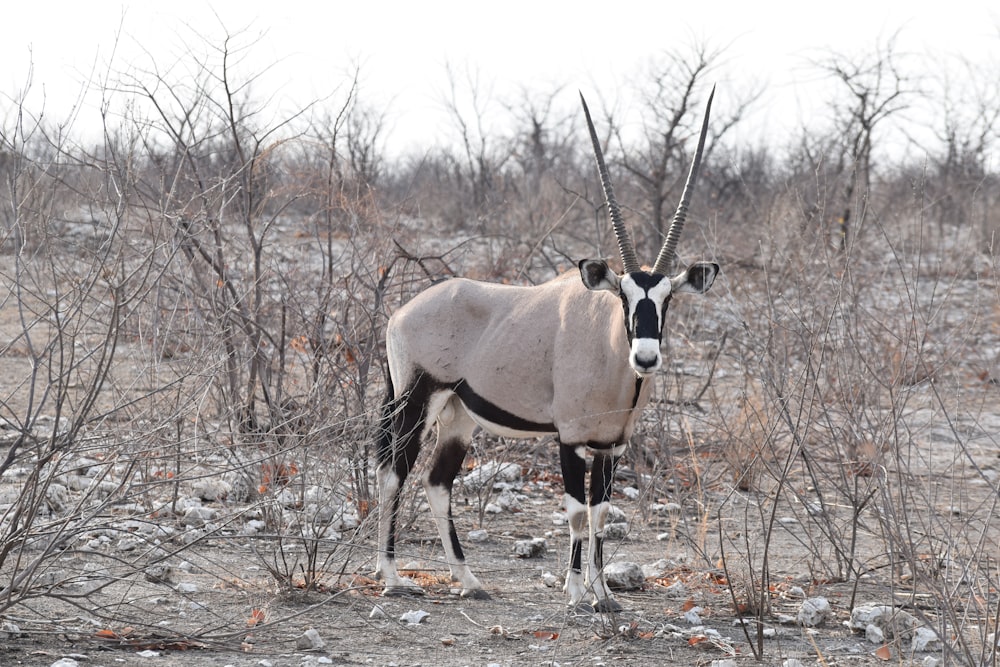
{"type": "Point", "coordinates": [575, 585]}
{"type": "Point", "coordinates": [388, 483]}
{"type": "Point", "coordinates": [595, 557]}
{"type": "Point", "coordinates": [439, 500]}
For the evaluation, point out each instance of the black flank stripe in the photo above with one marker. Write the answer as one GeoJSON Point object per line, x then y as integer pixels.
{"type": "Point", "coordinates": [495, 414]}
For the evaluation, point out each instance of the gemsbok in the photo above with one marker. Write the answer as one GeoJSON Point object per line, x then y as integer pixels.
{"type": "Point", "coordinates": [570, 357]}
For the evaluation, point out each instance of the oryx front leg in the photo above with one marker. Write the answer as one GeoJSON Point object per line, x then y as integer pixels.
{"type": "Point", "coordinates": [455, 429]}
{"type": "Point", "coordinates": [574, 470]}
{"type": "Point", "coordinates": [601, 478]}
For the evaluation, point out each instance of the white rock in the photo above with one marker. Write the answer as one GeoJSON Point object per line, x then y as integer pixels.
{"type": "Point", "coordinates": [478, 535]}
{"type": "Point", "coordinates": [631, 492]}
{"type": "Point", "coordinates": [724, 662]}
{"type": "Point", "coordinates": [148, 654]}
{"type": "Point", "coordinates": [532, 548]}
{"type": "Point", "coordinates": [491, 472]}
{"type": "Point", "coordinates": [197, 516]}
{"type": "Point", "coordinates": [550, 580]}
{"type": "Point", "coordinates": [874, 634]}
{"type": "Point", "coordinates": [615, 531]}
{"type": "Point", "coordinates": [377, 613]}
{"type": "Point", "coordinates": [624, 576]}
{"type": "Point", "coordinates": [814, 611]}
{"type": "Point", "coordinates": [211, 488]}
{"type": "Point", "coordinates": [665, 508]}
{"type": "Point", "coordinates": [57, 497]}
{"type": "Point", "coordinates": [310, 641]}
{"type": "Point", "coordinates": [186, 587]}
{"type": "Point", "coordinates": [890, 621]}
{"type": "Point", "coordinates": [65, 662]}
{"type": "Point", "coordinates": [792, 662]}
{"type": "Point", "coordinates": [656, 569]}
{"type": "Point", "coordinates": [508, 501]}
{"type": "Point", "coordinates": [925, 639]}
{"type": "Point", "coordinates": [693, 615]}
{"type": "Point", "coordinates": [930, 661]}
{"type": "Point", "coordinates": [414, 617]}
{"type": "Point", "coordinates": [10, 630]}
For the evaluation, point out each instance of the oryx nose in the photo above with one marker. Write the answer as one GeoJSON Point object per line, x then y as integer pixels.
{"type": "Point", "coordinates": [645, 362]}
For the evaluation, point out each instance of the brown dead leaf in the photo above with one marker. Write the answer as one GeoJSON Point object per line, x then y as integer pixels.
{"type": "Point", "coordinates": [883, 652]}
{"type": "Point", "coordinates": [256, 616]}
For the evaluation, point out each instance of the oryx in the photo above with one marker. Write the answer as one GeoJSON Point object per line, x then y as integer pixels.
{"type": "Point", "coordinates": [573, 357]}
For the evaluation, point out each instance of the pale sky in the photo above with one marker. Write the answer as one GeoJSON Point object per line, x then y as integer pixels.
{"type": "Point", "coordinates": [403, 46]}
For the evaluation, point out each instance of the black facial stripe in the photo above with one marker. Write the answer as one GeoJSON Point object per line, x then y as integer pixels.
{"type": "Point", "coordinates": [495, 414]}
{"type": "Point", "coordinates": [645, 323]}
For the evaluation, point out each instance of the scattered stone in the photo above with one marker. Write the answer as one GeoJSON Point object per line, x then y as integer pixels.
{"type": "Point", "coordinates": [65, 662]}
{"type": "Point", "coordinates": [159, 573]}
{"type": "Point", "coordinates": [888, 622]}
{"type": "Point", "coordinates": [624, 576]}
{"type": "Point", "coordinates": [532, 548]}
{"type": "Point", "coordinates": [657, 569]}
{"type": "Point", "coordinates": [666, 508]}
{"type": "Point", "coordinates": [186, 587]}
{"type": "Point", "coordinates": [796, 591]}
{"type": "Point", "coordinates": [448, 640]}
{"type": "Point", "coordinates": [615, 531]}
{"type": "Point", "coordinates": [310, 641]}
{"type": "Point", "coordinates": [792, 662]}
{"type": "Point", "coordinates": [490, 473]}
{"type": "Point", "coordinates": [814, 611]}
{"type": "Point", "coordinates": [508, 501]}
{"type": "Point", "coordinates": [197, 516]}
{"type": "Point", "coordinates": [724, 662]}
{"type": "Point", "coordinates": [57, 497]}
{"type": "Point", "coordinates": [925, 639]}
{"type": "Point", "coordinates": [550, 580]}
{"type": "Point", "coordinates": [693, 615]}
{"type": "Point", "coordinates": [631, 492]}
{"type": "Point", "coordinates": [478, 535]}
{"type": "Point", "coordinates": [414, 617]}
{"type": "Point", "coordinates": [10, 630]}
{"type": "Point", "coordinates": [148, 653]}
{"type": "Point", "coordinates": [377, 613]}
{"type": "Point", "coordinates": [211, 489]}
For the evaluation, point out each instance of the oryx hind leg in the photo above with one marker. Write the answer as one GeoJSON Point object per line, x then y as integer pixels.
{"type": "Point", "coordinates": [401, 428]}
{"type": "Point", "coordinates": [455, 428]}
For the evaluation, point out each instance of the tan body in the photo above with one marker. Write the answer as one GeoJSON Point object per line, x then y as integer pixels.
{"type": "Point", "coordinates": [507, 333]}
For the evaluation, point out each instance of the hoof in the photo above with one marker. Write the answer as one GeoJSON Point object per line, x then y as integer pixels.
{"type": "Point", "coordinates": [411, 590]}
{"type": "Point", "coordinates": [475, 594]}
{"type": "Point", "coordinates": [607, 605]}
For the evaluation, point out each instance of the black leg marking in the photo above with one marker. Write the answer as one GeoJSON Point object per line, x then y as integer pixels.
{"type": "Point", "coordinates": [601, 477]}
{"type": "Point", "coordinates": [576, 555]}
{"type": "Point", "coordinates": [574, 471]}
{"type": "Point", "coordinates": [447, 465]}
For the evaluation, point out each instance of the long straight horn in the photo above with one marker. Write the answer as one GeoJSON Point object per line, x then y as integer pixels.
{"type": "Point", "coordinates": [625, 247]}
{"type": "Point", "coordinates": [666, 260]}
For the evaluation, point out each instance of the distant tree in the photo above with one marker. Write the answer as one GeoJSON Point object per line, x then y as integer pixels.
{"type": "Point", "coordinates": [873, 88]}
{"type": "Point", "coordinates": [671, 94]}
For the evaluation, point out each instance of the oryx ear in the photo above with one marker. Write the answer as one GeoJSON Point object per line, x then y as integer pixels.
{"type": "Point", "coordinates": [597, 275]}
{"type": "Point", "coordinates": [697, 279]}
